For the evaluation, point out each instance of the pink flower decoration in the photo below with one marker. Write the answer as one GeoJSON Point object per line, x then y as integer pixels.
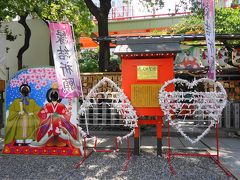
{"type": "Point", "coordinates": [37, 87]}
{"type": "Point", "coordinates": [44, 83]}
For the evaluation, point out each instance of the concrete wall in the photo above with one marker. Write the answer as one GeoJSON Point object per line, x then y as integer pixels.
{"type": "Point", "coordinates": [2, 55]}
{"type": "Point", "coordinates": [38, 52]}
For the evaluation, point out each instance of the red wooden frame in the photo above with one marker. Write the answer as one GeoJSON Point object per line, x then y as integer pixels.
{"type": "Point", "coordinates": [214, 157]}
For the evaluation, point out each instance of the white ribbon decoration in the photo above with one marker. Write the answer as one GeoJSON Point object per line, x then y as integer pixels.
{"type": "Point", "coordinates": [121, 103]}
{"type": "Point", "coordinates": [205, 106]}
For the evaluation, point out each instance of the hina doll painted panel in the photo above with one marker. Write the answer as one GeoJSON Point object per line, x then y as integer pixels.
{"type": "Point", "coordinates": [36, 116]}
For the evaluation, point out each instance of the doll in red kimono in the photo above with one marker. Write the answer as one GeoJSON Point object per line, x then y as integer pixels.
{"type": "Point", "coordinates": [55, 122]}
{"type": "Point", "coordinates": [189, 62]}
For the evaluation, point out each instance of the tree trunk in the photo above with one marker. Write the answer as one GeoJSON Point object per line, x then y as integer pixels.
{"type": "Point", "coordinates": [27, 37]}
{"type": "Point", "coordinates": [101, 15]}
{"type": "Point", "coordinates": [104, 47]}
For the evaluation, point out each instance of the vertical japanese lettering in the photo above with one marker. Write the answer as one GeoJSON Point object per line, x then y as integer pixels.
{"type": "Point", "coordinates": [67, 70]}
{"type": "Point", "coordinates": [209, 13]}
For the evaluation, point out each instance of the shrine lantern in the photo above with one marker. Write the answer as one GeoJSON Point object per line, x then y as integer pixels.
{"type": "Point", "coordinates": [147, 62]}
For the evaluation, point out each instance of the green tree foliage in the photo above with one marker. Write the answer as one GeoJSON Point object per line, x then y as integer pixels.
{"type": "Point", "coordinates": [152, 5]}
{"type": "Point", "coordinates": [226, 22]}
{"type": "Point", "coordinates": [101, 14]}
{"type": "Point", "coordinates": [73, 11]}
{"type": "Point", "coordinates": [187, 5]}
{"type": "Point", "coordinates": [89, 61]}
{"type": "Point", "coordinates": [21, 8]}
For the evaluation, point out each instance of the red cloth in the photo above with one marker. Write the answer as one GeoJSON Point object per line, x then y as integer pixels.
{"type": "Point", "coordinates": [58, 116]}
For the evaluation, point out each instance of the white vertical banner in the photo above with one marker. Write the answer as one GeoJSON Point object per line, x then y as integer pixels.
{"type": "Point", "coordinates": [209, 14]}
{"type": "Point", "coordinates": [65, 60]}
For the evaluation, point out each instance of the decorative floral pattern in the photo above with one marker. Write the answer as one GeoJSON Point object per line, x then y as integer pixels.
{"type": "Point", "coordinates": [36, 76]}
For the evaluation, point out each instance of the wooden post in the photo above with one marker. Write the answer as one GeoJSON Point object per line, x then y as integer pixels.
{"type": "Point", "coordinates": [159, 135]}
{"type": "Point", "coordinates": [136, 141]}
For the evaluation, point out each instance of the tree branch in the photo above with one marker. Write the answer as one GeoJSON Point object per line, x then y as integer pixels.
{"type": "Point", "coordinates": [27, 33]}
{"type": "Point", "coordinates": [105, 6]}
{"type": "Point", "coordinates": [92, 8]}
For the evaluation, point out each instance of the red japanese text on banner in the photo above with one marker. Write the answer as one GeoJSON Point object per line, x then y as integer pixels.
{"type": "Point", "coordinates": [209, 14]}
{"type": "Point", "coordinates": [66, 66]}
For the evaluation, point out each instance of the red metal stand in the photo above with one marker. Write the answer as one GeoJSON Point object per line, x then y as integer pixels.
{"type": "Point", "coordinates": [116, 150]}
{"type": "Point", "coordinates": [214, 157]}
{"type": "Point", "coordinates": [85, 154]}
{"type": "Point", "coordinates": [125, 166]}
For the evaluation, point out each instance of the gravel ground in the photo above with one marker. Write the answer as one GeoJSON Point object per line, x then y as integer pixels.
{"type": "Point", "coordinates": [108, 166]}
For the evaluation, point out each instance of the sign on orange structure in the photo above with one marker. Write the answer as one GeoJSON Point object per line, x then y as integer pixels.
{"type": "Point", "coordinates": [146, 64]}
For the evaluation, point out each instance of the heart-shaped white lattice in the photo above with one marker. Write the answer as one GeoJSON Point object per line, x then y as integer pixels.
{"type": "Point", "coordinates": [197, 105]}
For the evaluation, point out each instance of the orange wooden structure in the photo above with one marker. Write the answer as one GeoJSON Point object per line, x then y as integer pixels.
{"type": "Point", "coordinates": [146, 64]}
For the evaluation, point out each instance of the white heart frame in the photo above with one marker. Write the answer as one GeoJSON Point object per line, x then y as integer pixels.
{"type": "Point", "coordinates": [178, 105]}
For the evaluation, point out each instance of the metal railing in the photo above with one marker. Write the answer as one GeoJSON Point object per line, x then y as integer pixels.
{"type": "Point", "coordinates": [148, 16]}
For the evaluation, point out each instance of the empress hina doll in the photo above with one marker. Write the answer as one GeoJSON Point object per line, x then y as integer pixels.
{"type": "Point", "coordinates": [55, 123]}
